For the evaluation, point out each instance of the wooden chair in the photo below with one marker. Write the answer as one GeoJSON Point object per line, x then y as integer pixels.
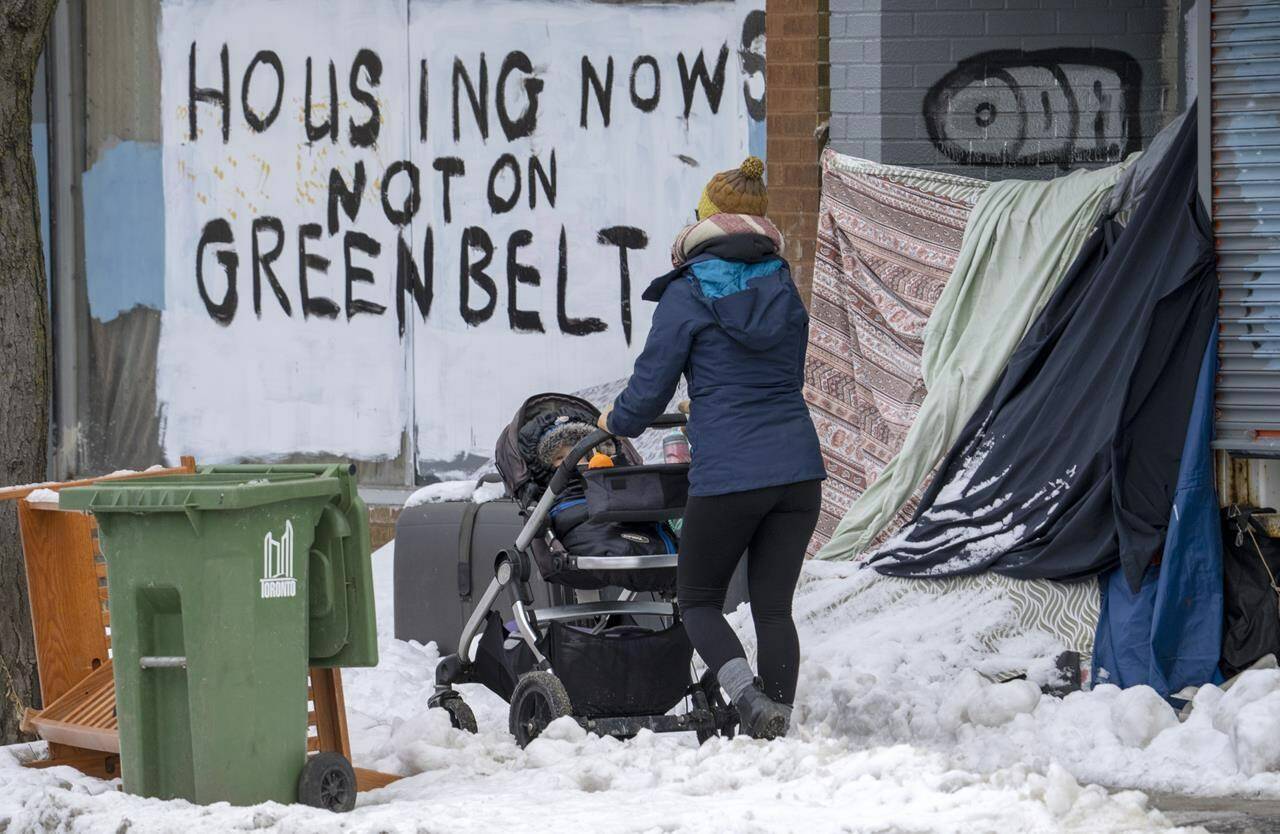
{"type": "Point", "coordinates": [67, 586]}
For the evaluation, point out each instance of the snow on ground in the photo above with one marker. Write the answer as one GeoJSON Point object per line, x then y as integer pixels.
{"type": "Point", "coordinates": [895, 733]}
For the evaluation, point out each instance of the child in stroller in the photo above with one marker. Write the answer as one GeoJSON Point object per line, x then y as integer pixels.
{"type": "Point", "coordinates": [614, 662]}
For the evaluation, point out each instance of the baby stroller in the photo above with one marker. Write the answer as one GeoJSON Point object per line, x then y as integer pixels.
{"type": "Point", "coordinates": [612, 653]}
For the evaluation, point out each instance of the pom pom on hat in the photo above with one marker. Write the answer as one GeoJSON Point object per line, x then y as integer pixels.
{"type": "Point", "coordinates": [737, 191]}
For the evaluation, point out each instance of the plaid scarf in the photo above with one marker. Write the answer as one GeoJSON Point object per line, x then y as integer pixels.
{"type": "Point", "coordinates": [720, 225]}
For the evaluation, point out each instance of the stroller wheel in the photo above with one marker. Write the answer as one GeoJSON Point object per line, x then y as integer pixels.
{"type": "Point", "coordinates": [460, 715]}
{"type": "Point", "coordinates": [715, 702]}
{"type": "Point", "coordinates": [539, 698]}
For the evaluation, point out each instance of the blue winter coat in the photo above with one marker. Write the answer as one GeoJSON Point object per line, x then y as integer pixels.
{"type": "Point", "coordinates": [732, 322]}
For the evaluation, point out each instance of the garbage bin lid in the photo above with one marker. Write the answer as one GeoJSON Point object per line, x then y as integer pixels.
{"type": "Point", "coordinates": [212, 488]}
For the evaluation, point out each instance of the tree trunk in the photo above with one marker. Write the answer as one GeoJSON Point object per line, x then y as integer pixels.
{"type": "Point", "coordinates": [24, 344]}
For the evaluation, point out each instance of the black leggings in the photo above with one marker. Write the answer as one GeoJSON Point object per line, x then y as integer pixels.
{"type": "Point", "coordinates": [773, 526]}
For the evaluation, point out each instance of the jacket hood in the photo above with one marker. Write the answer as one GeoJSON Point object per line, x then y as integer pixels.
{"type": "Point", "coordinates": [758, 316]}
{"type": "Point", "coordinates": [747, 248]}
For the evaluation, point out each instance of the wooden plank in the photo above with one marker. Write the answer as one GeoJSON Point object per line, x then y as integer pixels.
{"type": "Point", "coordinates": [371, 780]}
{"type": "Point", "coordinates": [330, 710]}
{"type": "Point", "coordinates": [77, 735]}
{"type": "Point", "coordinates": [91, 762]}
{"type": "Point", "coordinates": [14, 492]}
{"type": "Point", "coordinates": [65, 602]}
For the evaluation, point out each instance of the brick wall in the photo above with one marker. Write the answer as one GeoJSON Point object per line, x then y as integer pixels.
{"type": "Point", "coordinates": [1001, 88]}
{"type": "Point", "coordinates": [795, 87]}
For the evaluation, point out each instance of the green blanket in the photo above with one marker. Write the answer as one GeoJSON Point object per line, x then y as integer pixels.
{"type": "Point", "coordinates": [1021, 237]}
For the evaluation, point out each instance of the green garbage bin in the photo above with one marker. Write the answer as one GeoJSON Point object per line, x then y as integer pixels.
{"type": "Point", "coordinates": [225, 585]}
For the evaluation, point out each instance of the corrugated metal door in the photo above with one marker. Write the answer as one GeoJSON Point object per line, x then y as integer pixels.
{"type": "Point", "coordinates": [1245, 130]}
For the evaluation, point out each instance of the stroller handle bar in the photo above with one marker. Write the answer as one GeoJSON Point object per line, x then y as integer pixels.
{"type": "Point", "coordinates": [570, 464]}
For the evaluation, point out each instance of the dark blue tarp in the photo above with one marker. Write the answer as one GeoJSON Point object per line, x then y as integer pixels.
{"type": "Point", "coordinates": [1168, 635]}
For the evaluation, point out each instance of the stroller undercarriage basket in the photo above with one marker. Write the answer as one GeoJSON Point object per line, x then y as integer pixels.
{"type": "Point", "coordinates": [618, 671]}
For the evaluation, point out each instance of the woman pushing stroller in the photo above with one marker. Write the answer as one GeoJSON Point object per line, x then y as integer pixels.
{"type": "Point", "coordinates": [731, 321]}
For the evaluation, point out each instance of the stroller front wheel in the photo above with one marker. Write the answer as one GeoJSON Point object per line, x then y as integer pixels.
{"type": "Point", "coordinates": [539, 698]}
{"type": "Point", "coordinates": [460, 715]}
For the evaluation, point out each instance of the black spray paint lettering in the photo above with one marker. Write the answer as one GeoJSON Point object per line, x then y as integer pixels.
{"type": "Point", "coordinates": [475, 90]}
{"type": "Point", "coordinates": [259, 123]}
{"type": "Point", "coordinates": [515, 95]}
{"type": "Point", "coordinates": [312, 305]}
{"type": "Point", "coordinates": [1056, 106]}
{"type": "Point", "coordinates": [411, 282]}
{"type": "Point", "coordinates": [712, 83]}
{"type": "Point", "coordinates": [479, 291]}
{"type": "Point", "coordinates": [402, 214]}
{"type": "Point", "coordinates": [449, 167]}
{"type": "Point", "coordinates": [365, 134]}
{"type": "Point", "coordinates": [316, 132]}
{"type": "Point", "coordinates": [499, 204]}
{"type": "Point", "coordinates": [262, 263]}
{"type": "Point", "coordinates": [220, 95]}
{"type": "Point", "coordinates": [645, 94]}
{"type": "Point", "coordinates": [647, 103]}
{"type": "Point", "coordinates": [472, 271]}
{"type": "Point", "coordinates": [343, 196]}
{"type": "Point", "coordinates": [752, 59]}
{"type": "Point", "coordinates": [625, 238]}
{"type": "Point", "coordinates": [218, 232]}
{"type": "Point", "coordinates": [603, 90]}
{"type": "Point", "coordinates": [568, 324]}
{"type": "Point", "coordinates": [521, 321]}
{"type": "Point", "coordinates": [365, 76]}
{"type": "Point", "coordinates": [354, 241]}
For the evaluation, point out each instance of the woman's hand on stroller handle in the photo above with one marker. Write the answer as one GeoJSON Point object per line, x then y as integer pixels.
{"type": "Point", "coordinates": [569, 465]}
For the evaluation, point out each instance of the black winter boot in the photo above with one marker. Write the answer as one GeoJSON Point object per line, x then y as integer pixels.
{"type": "Point", "coordinates": [760, 716]}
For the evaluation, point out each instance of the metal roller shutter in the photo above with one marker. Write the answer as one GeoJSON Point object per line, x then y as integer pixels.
{"type": "Point", "coordinates": [1245, 141]}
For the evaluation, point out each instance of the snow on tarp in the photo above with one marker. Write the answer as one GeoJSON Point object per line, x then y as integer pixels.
{"type": "Point", "coordinates": [894, 730]}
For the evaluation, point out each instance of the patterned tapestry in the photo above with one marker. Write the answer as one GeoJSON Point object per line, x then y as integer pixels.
{"type": "Point", "coordinates": [887, 241]}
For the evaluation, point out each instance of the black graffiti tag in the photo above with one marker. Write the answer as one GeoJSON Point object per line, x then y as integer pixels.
{"type": "Point", "coordinates": [1054, 106]}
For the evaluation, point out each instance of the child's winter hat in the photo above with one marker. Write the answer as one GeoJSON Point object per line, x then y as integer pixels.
{"type": "Point", "coordinates": [563, 434]}
{"type": "Point", "coordinates": [738, 191]}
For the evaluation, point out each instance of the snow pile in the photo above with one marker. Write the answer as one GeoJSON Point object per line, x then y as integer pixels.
{"type": "Point", "coordinates": [42, 496]}
{"type": "Point", "coordinates": [896, 731]}
{"type": "Point", "coordinates": [901, 673]}
{"type": "Point", "coordinates": [462, 490]}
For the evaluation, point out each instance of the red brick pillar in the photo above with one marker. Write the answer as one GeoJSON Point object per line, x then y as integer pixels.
{"type": "Point", "coordinates": [797, 94]}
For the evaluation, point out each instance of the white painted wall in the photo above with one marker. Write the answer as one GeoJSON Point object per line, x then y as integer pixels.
{"type": "Point", "coordinates": [276, 384]}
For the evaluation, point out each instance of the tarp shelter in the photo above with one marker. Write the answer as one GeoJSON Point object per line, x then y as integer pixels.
{"type": "Point", "coordinates": [1168, 635]}
{"type": "Point", "coordinates": [888, 238]}
{"type": "Point", "coordinates": [1069, 466]}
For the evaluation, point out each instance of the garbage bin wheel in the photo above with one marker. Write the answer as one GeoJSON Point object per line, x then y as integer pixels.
{"type": "Point", "coordinates": [539, 698]}
{"type": "Point", "coordinates": [715, 702]}
{"type": "Point", "coordinates": [460, 715]}
{"type": "Point", "coordinates": [328, 781]}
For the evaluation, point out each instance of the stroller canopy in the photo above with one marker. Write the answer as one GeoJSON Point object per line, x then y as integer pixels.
{"type": "Point", "coordinates": [524, 474]}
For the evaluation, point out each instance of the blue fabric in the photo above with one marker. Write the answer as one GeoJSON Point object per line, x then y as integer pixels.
{"type": "Point", "coordinates": [564, 505]}
{"type": "Point", "coordinates": [718, 277]}
{"type": "Point", "coordinates": [743, 355]}
{"type": "Point", "coordinates": [1169, 634]}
